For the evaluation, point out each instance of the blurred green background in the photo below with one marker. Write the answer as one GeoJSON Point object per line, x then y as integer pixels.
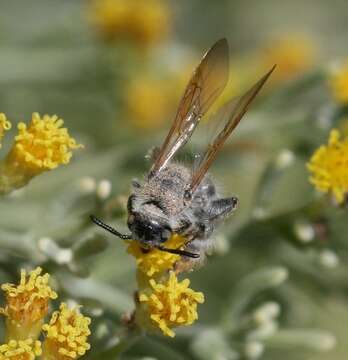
{"type": "Point", "coordinates": [116, 84]}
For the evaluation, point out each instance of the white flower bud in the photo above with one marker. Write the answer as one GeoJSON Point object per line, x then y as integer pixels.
{"type": "Point", "coordinates": [304, 232]}
{"type": "Point", "coordinates": [87, 184]}
{"type": "Point", "coordinates": [284, 159]}
{"type": "Point", "coordinates": [329, 259]}
{"type": "Point", "coordinates": [254, 349]}
{"type": "Point", "coordinates": [267, 312]}
{"type": "Point", "coordinates": [266, 330]}
{"type": "Point", "coordinates": [104, 189]}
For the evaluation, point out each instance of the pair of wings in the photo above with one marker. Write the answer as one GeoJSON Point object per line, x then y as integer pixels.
{"type": "Point", "coordinates": [206, 84]}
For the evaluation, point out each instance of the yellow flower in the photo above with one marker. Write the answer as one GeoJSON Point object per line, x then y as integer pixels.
{"type": "Point", "coordinates": [142, 21]}
{"type": "Point", "coordinates": [339, 83]}
{"type": "Point", "coordinates": [156, 261]}
{"type": "Point", "coordinates": [293, 55]}
{"type": "Point", "coordinates": [41, 146]}
{"type": "Point", "coordinates": [27, 305]}
{"type": "Point", "coordinates": [66, 334]}
{"type": "Point", "coordinates": [148, 102]}
{"type": "Point", "coordinates": [4, 125]}
{"type": "Point", "coordinates": [170, 304]}
{"type": "Point", "coordinates": [20, 350]}
{"type": "Point", "coordinates": [329, 167]}
{"type": "Point", "coordinates": [151, 99]}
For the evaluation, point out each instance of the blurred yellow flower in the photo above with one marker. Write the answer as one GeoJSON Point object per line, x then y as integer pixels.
{"type": "Point", "coordinates": [20, 350]}
{"type": "Point", "coordinates": [339, 83]}
{"type": "Point", "coordinates": [144, 22]}
{"type": "Point", "coordinates": [149, 101]}
{"type": "Point", "coordinates": [27, 305]}
{"type": "Point", "coordinates": [156, 261]}
{"type": "Point", "coordinates": [329, 167]}
{"type": "Point", "coordinates": [66, 334]}
{"type": "Point", "coordinates": [293, 55]}
{"type": "Point", "coordinates": [4, 126]}
{"type": "Point", "coordinates": [41, 146]}
{"type": "Point", "coordinates": [171, 303]}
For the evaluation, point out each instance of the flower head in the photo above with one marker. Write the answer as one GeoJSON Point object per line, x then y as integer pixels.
{"type": "Point", "coordinates": [140, 97]}
{"type": "Point", "coordinates": [20, 350]}
{"type": "Point", "coordinates": [66, 334]}
{"type": "Point", "coordinates": [171, 303]}
{"type": "Point", "coordinates": [339, 83]}
{"type": "Point", "coordinates": [144, 22]}
{"type": "Point", "coordinates": [43, 145]}
{"type": "Point", "coordinates": [293, 55]}
{"type": "Point", "coordinates": [27, 304]}
{"type": "Point", "coordinates": [154, 261]}
{"type": "Point", "coordinates": [329, 167]}
{"type": "Point", "coordinates": [4, 125]}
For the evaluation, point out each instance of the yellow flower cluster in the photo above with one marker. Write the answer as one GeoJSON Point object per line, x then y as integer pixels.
{"type": "Point", "coordinates": [42, 145]}
{"type": "Point", "coordinates": [67, 331]}
{"type": "Point", "coordinates": [144, 22]}
{"type": "Point", "coordinates": [171, 303]}
{"type": "Point", "coordinates": [20, 350]}
{"type": "Point", "coordinates": [5, 125]}
{"type": "Point", "coordinates": [156, 261]}
{"type": "Point", "coordinates": [339, 83]}
{"type": "Point", "coordinates": [293, 55]}
{"type": "Point", "coordinates": [163, 302]}
{"type": "Point", "coordinates": [27, 304]}
{"type": "Point", "coordinates": [25, 310]}
{"type": "Point", "coordinates": [329, 167]}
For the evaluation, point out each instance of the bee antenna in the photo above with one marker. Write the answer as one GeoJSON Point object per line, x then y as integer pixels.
{"type": "Point", "coordinates": [109, 228]}
{"type": "Point", "coordinates": [179, 252]}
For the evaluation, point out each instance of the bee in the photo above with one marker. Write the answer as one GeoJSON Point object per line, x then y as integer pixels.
{"type": "Point", "coordinates": [173, 197]}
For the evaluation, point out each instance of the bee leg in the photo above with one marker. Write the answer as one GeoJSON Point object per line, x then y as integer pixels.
{"type": "Point", "coordinates": [197, 246]}
{"type": "Point", "coordinates": [222, 207]}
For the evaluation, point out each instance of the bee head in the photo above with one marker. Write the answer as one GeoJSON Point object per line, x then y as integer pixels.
{"type": "Point", "coordinates": [149, 229]}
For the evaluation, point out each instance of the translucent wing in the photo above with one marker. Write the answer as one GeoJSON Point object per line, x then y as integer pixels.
{"type": "Point", "coordinates": [206, 84]}
{"type": "Point", "coordinates": [233, 111]}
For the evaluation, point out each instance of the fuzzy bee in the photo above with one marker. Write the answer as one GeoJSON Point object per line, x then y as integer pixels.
{"type": "Point", "coordinates": [175, 198]}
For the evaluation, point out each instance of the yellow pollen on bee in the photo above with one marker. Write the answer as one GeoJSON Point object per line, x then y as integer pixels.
{"type": "Point", "coordinates": [155, 260]}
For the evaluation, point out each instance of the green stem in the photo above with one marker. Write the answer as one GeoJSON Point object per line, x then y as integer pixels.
{"type": "Point", "coordinates": [125, 341]}
{"type": "Point", "coordinates": [12, 177]}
